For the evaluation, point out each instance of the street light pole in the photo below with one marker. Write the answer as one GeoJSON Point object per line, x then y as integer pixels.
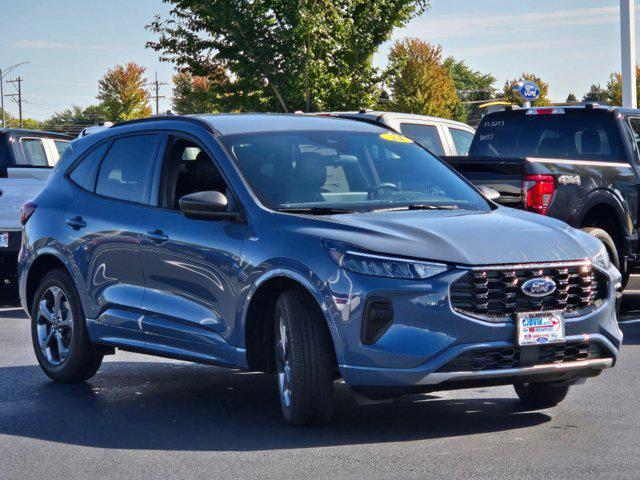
{"type": "Point", "coordinates": [2, 74]}
{"type": "Point", "coordinates": [628, 42]}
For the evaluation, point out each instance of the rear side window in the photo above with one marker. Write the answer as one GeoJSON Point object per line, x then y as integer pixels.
{"type": "Point", "coordinates": [126, 170]}
{"type": "Point", "coordinates": [61, 146]}
{"type": "Point", "coordinates": [462, 140]}
{"type": "Point", "coordinates": [34, 152]}
{"type": "Point", "coordinates": [425, 135]}
{"type": "Point", "coordinates": [85, 173]}
{"type": "Point", "coordinates": [559, 136]}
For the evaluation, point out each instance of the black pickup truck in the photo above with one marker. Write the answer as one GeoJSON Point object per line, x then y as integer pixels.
{"type": "Point", "coordinates": [578, 164]}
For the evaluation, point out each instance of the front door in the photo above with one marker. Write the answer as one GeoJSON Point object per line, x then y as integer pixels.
{"type": "Point", "coordinates": [190, 266]}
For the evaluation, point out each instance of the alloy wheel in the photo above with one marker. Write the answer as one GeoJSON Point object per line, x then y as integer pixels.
{"type": "Point", "coordinates": [283, 364]}
{"type": "Point", "coordinates": [54, 325]}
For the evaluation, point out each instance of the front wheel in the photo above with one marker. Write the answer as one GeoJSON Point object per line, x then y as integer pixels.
{"type": "Point", "coordinates": [304, 360]}
{"type": "Point", "coordinates": [59, 332]}
{"type": "Point", "coordinates": [541, 395]}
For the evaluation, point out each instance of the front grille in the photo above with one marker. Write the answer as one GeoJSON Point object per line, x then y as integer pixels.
{"type": "Point", "coordinates": [496, 294]}
{"type": "Point", "coordinates": [503, 358]}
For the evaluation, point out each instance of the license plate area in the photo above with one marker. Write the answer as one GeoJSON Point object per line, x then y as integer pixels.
{"type": "Point", "coordinates": [540, 328]}
{"type": "Point", "coordinates": [4, 239]}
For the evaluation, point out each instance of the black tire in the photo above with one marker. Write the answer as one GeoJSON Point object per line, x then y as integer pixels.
{"type": "Point", "coordinates": [82, 361]}
{"type": "Point", "coordinates": [612, 250]}
{"type": "Point", "coordinates": [541, 395]}
{"type": "Point", "coordinates": [308, 354]}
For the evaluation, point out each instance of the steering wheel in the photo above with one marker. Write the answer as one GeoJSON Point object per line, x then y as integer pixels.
{"type": "Point", "coordinates": [381, 188]}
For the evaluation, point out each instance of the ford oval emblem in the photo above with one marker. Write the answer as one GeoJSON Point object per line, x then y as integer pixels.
{"type": "Point", "coordinates": [539, 287]}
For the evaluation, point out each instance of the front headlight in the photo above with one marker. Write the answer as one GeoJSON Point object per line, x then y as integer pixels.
{"type": "Point", "coordinates": [357, 261]}
{"type": "Point", "coordinates": [601, 259]}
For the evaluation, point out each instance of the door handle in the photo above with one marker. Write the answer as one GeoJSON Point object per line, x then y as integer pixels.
{"type": "Point", "coordinates": [157, 236]}
{"type": "Point", "coordinates": [76, 222]}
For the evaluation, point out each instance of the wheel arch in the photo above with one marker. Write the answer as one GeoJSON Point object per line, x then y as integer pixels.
{"type": "Point", "coordinates": [258, 311]}
{"type": "Point", "coordinates": [45, 262]}
{"type": "Point", "coordinates": [604, 210]}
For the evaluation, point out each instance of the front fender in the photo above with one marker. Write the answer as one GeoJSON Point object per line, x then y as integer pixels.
{"type": "Point", "coordinates": [309, 281]}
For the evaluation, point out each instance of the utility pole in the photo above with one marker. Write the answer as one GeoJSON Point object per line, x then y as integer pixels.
{"type": "Point", "coordinates": [156, 87]}
{"type": "Point", "coordinates": [3, 72]}
{"type": "Point", "coordinates": [628, 45]}
{"type": "Point", "coordinates": [17, 81]}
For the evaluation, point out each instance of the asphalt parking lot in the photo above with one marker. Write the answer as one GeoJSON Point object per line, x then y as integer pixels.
{"type": "Point", "coordinates": [143, 417]}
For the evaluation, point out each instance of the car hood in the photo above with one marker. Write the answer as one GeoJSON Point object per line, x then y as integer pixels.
{"type": "Point", "coordinates": [462, 237]}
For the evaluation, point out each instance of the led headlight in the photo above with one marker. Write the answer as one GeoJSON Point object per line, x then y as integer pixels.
{"type": "Point", "coordinates": [365, 263]}
{"type": "Point", "coordinates": [601, 259]}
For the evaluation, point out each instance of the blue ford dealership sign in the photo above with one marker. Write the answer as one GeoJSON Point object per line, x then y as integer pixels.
{"type": "Point", "coordinates": [529, 91]}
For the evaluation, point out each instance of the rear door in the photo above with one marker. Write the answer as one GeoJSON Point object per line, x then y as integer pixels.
{"type": "Point", "coordinates": [24, 168]}
{"type": "Point", "coordinates": [102, 231]}
{"type": "Point", "coordinates": [461, 140]}
{"type": "Point", "coordinates": [429, 135]}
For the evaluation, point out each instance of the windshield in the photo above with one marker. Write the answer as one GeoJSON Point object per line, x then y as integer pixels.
{"type": "Point", "coordinates": [348, 171]}
{"type": "Point", "coordinates": [560, 136]}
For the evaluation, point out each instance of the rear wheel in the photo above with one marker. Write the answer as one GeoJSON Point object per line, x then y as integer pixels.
{"type": "Point", "coordinates": [59, 332]}
{"type": "Point", "coordinates": [541, 395]}
{"type": "Point", "coordinates": [304, 360]}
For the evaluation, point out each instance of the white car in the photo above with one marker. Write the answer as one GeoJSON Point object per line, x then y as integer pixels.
{"type": "Point", "coordinates": [26, 160]}
{"type": "Point", "coordinates": [441, 136]}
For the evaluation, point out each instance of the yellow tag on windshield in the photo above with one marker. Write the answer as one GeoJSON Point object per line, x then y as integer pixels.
{"type": "Point", "coordinates": [395, 137]}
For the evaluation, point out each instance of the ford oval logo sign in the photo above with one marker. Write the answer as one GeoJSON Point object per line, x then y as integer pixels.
{"type": "Point", "coordinates": [529, 91]}
{"type": "Point", "coordinates": [539, 287]}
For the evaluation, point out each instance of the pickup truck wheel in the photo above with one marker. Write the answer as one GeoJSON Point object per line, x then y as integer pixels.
{"type": "Point", "coordinates": [612, 250]}
{"type": "Point", "coordinates": [59, 331]}
{"type": "Point", "coordinates": [304, 361]}
{"type": "Point", "coordinates": [541, 395]}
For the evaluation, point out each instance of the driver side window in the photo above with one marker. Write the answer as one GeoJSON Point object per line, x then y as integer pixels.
{"type": "Point", "coordinates": [189, 169]}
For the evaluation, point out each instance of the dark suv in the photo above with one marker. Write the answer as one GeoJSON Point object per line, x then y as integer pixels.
{"type": "Point", "coordinates": [315, 248]}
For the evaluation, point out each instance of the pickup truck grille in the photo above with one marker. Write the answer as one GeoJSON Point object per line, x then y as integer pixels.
{"type": "Point", "coordinates": [495, 294]}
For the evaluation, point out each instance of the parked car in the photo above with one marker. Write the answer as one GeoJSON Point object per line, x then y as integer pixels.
{"type": "Point", "coordinates": [315, 248]}
{"type": "Point", "coordinates": [94, 129]}
{"type": "Point", "coordinates": [26, 159]}
{"type": "Point", "coordinates": [441, 136]}
{"type": "Point", "coordinates": [578, 164]}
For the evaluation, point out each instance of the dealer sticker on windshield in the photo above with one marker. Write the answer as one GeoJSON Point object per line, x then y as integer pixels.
{"type": "Point", "coordinates": [540, 328]}
{"type": "Point", "coordinates": [4, 239]}
{"type": "Point", "coordinates": [395, 137]}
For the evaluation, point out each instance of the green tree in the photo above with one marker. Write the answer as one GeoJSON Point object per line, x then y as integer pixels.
{"type": "Point", "coordinates": [195, 94]}
{"type": "Point", "coordinates": [571, 98]}
{"type": "Point", "coordinates": [122, 93]}
{"type": "Point", "coordinates": [510, 96]}
{"type": "Point", "coordinates": [419, 81]}
{"type": "Point", "coordinates": [596, 94]}
{"type": "Point", "coordinates": [284, 55]}
{"type": "Point", "coordinates": [471, 86]}
{"type": "Point", "coordinates": [614, 88]}
{"type": "Point", "coordinates": [77, 115]}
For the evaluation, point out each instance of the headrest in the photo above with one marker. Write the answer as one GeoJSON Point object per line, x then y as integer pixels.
{"type": "Point", "coordinates": [310, 171]}
{"type": "Point", "coordinates": [206, 175]}
{"type": "Point", "coordinates": [590, 142]}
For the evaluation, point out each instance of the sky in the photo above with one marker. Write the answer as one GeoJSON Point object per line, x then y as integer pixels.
{"type": "Point", "coordinates": [70, 44]}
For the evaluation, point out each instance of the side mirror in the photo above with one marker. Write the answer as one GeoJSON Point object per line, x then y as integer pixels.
{"type": "Point", "coordinates": [489, 193]}
{"type": "Point", "coordinates": [209, 205]}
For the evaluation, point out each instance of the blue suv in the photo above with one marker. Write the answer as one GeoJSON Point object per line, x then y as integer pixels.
{"type": "Point", "coordinates": [314, 248]}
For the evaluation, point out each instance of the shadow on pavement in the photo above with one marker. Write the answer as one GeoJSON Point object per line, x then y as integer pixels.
{"type": "Point", "coordinates": [174, 406]}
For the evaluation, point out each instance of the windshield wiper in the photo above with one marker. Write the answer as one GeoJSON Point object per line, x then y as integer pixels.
{"type": "Point", "coordinates": [316, 210]}
{"type": "Point", "coordinates": [418, 206]}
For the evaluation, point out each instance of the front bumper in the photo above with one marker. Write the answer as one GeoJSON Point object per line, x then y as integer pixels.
{"type": "Point", "coordinates": [427, 335]}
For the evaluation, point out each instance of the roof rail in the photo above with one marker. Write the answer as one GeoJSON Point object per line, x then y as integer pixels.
{"type": "Point", "coordinates": [186, 118]}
